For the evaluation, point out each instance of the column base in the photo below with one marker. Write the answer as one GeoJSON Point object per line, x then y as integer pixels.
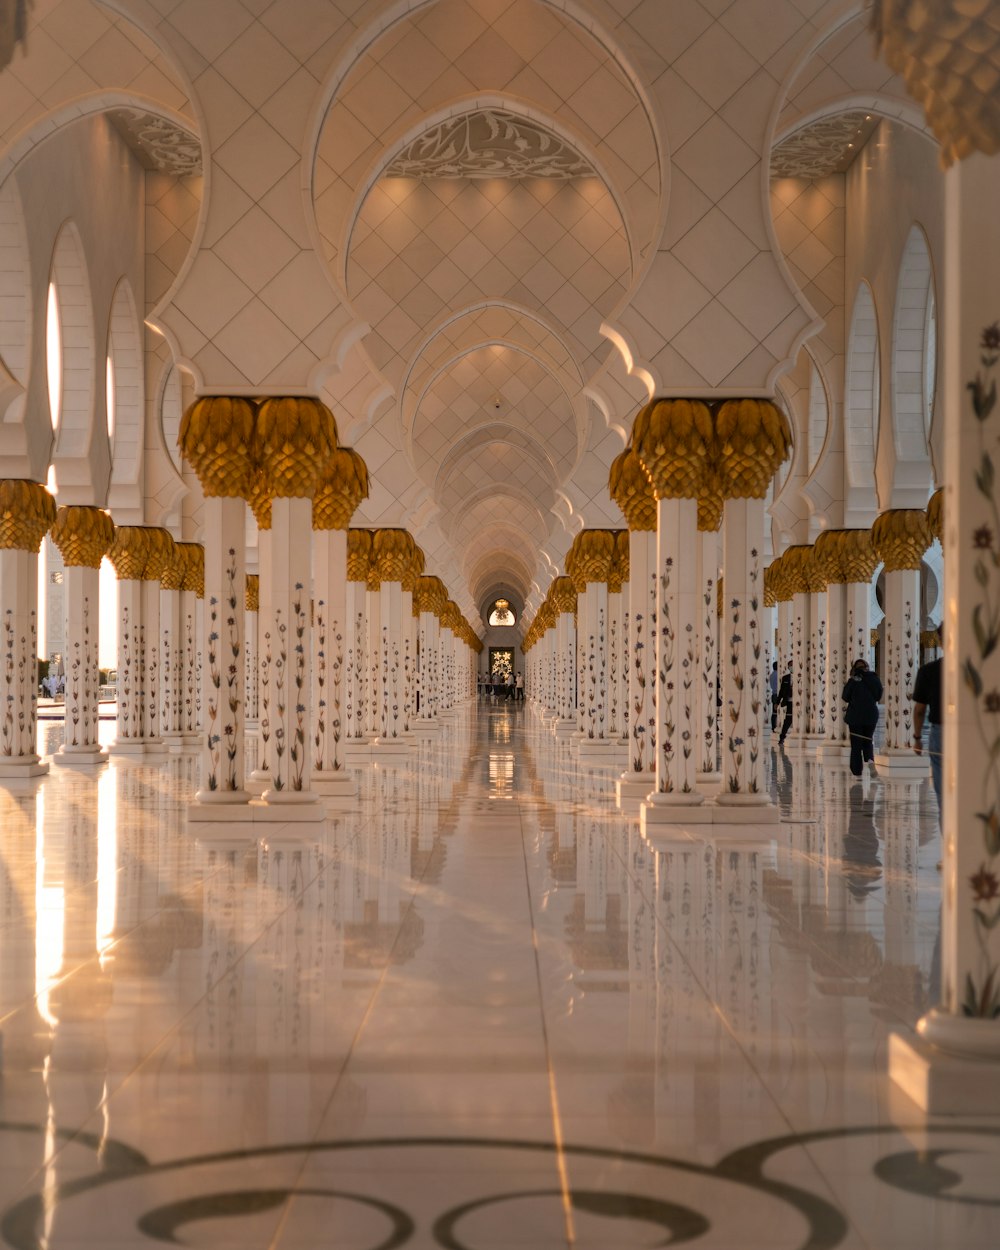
{"type": "Point", "coordinates": [213, 806]}
{"type": "Point", "coordinates": [251, 727]}
{"type": "Point", "coordinates": [947, 1081]}
{"type": "Point", "coordinates": [674, 809]}
{"type": "Point", "coordinates": [746, 809]}
{"type": "Point", "coordinates": [834, 752]}
{"type": "Point", "coordinates": [595, 747]}
{"type": "Point", "coordinates": [23, 766]}
{"type": "Point", "coordinates": [81, 756]}
{"type": "Point", "coordinates": [901, 764]}
{"type": "Point", "coordinates": [357, 751]}
{"type": "Point", "coordinates": [383, 747]}
{"type": "Point", "coordinates": [633, 787]}
{"type": "Point", "coordinates": [563, 728]}
{"type": "Point", "coordinates": [426, 729]}
{"type": "Point", "coordinates": [127, 746]}
{"type": "Point", "coordinates": [708, 783]}
{"type": "Point", "coordinates": [281, 807]}
{"type": "Point", "coordinates": [341, 784]}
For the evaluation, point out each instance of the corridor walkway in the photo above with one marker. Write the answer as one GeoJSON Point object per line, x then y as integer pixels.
{"type": "Point", "coordinates": [480, 1012]}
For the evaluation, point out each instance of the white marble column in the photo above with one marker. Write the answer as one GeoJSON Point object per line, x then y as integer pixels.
{"type": "Point", "coordinates": [192, 593]}
{"type": "Point", "coordinates": [359, 544]}
{"type": "Point", "coordinates": [583, 616]}
{"type": "Point", "coordinates": [900, 537]}
{"type": "Point", "coordinates": [222, 794]}
{"type": "Point", "coordinates": [564, 603]}
{"type": "Point", "coordinates": [836, 743]}
{"type": "Point", "coordinates": [676, 798]}
{"type": "Point", "coordinates": [261, 774]}
{"type": "Point", "coordinates": [83, 536]}
{"type": "Point", "coordinates": [638, 778]}
{"type": "Point", "coordinates": [954, 1066]}
{"type": "Point", "coordinates": [19, 685]}
{"type": "Point", "coordinates": [375, 655]}
{"type": "Point", "coordinates": [706, 717]}
{"type": "Point", "coordinates": [128, 554]}
{"type": "Point", "coordinates": [290, 786]}
{"type": "Point", "coordinates": [171, 657]}
{"type": "Point", "coordinates": [390, 724]}
{"type": "Point", "coordinates": [251, 625]}
{"type": "Point", "coordinates": [330, 629]}
{"type": "Point", "coordinates": [744, 792]}
{"type": "Point", "coordinates": [818, 657]}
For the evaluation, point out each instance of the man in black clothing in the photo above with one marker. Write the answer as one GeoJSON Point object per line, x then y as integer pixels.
{"type": "Point", "coordinates": [927, 705]}
{"type": "Point", "coordinates": [786, 700]}
{"type": "Point", "coordinates": [861, 694]}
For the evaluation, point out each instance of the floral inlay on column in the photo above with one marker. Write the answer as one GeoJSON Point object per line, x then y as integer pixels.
{"type": "Point", "coordinates": [83, 536]}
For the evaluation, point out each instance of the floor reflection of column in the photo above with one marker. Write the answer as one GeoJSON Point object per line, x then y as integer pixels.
{"type": "Point", "coordinates": [24, 1034]}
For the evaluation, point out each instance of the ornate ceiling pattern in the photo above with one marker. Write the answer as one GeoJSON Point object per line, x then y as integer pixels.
{"type": "Point", "coordinates": [158, 143]}
{"type": "Point", "coordinates": [489, 143]}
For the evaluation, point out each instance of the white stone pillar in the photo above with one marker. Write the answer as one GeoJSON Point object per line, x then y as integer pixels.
{"type": "Point", "coordinates": [838, 667]}
{"type": "Point", "coordinates": [171, 658]}
{"type": "Point", "coordinates": [251, 625]}
{"type": "Point", "coordinates": [900, 537]}
{"type": "Point", "coordinates": [291, 680]}
{"type": "Point", "coordinates": [706, 717]}
{"type": "Point", "coordinates": [19, 607]}
{"type": "Point", "coordinates": [583, 616]}
{"type": "Point", "coordinates": [261, 775]}
{"type": "Point", "coordinates": [222, 729]}
{"type": "Point", "coordinates": [359, 545]}
{"type": "Point", "coordinates": [954, 1067]}
{"type": "Point", "coordinates": [192, 556]}
{"type": "Point", "coordinates": [564, 601]}
{"type": "Point", "coordinates": [638, 778]}
{"type": "Point", "coordinates": [375, 649]}
{"type": "Point", "coordinates": [676, 798]}
{"type": "Point", "coordinates": [818, 659]}
{"type": "Point", "coordinates": [83, 536]}
{"type": "Point", "coordinates": [391, 709]}
{"type": "Point", "coordinates": [330, 628]}
{"type": "Point", "coordinates": [151, 652]}
{"type": "Point", "coordinates": [744, 793]}
{"type": "Point", "coordinates": [129, 554]}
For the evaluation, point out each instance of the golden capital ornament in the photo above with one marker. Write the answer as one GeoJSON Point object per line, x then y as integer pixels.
{"type": "Point", "coordinates": [754, 438]}
{"type": "Point", "coordinates": [216, 439]}
{"type": "Point", "coordinates": [342, 485]}
{"type": "Point", "coordinates": [193, 556]}
{"type": "Point", "coordinates": [359, 554]}
{"type": "Point", "coordinates": [901, 536]}
{"type": "Point", "coordinates": [27, 512]}
{"type": "Point", "coordinates": [159, 553]}
{"type": "Point", "coordinates": [594, 552]}
{"type": "Point", "coordinates": [632, 490]}
{"type": "Point", "coordinates": [673, 439]}
{"type": "Point", "coordinates": [83, 536]}
{"type": "Point", "coordinates": [392, 551]}
{"type": "Point", "coordinates": [129, 552]}
{"type": "Point", "coordinates": [935, 514]}
{"type": "Point", "coordinates": [251, 599]}
{"type": "Point", "coordinates": [295, 437]}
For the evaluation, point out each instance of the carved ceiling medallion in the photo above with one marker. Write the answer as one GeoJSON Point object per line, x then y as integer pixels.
{"type": "Point", "coordinates": [489, 143]}
{"type": "Point", "coordinates": [158, 143]}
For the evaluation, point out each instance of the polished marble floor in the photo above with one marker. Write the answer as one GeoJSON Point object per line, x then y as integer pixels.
{"type": "Point", "coordinates": [478, 1012]}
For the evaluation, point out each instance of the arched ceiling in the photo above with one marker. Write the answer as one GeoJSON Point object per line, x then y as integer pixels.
{"type": "Point", "coordinates": [484, 236]}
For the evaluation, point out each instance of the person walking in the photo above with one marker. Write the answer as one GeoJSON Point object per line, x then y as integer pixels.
{"type": "Point", "coordinates": [786, 700]}
{"type": "Point", "coordinates": [927, 706]}
{"type": "Point", "coordinates": [773, 683]}
{"type": "Point", "coordinates": [862, 692]}
{"type": "Point", "coordinates": [520, 687]}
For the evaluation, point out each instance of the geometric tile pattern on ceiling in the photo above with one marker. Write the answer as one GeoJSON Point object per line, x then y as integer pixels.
{"type": "Point", "coordinates": [423, 250]}
{"type": "Point", "coordinates": [501, 511]}
{"type": "Point", "coordinates": [809, 224]}
{"type": "Point", "coordinates": [511, 463]}
{"type": "Point", "coordinates": [845, 67]}
{"type": "Point", "coordinates": [494, 385]}
{"type": "Point", "coordinates": [495, 323]}
{"type": "Point", "coordinates": [488, 143]}
{"type": "Point", "coordinates": [454, 50]}
{"type": "Point", "coordinates": [76, 49]}
{"type": "Point", "coordinates": [825, 147]}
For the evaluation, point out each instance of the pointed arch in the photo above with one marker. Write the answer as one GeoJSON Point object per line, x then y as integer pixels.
{"type": "Point", "coordinates": [914, 349]}
{"type": "Point", "coordinates": [862, 400]}
{"type": "Point", "coordinates": [125, 387]}
{"type": "Point", "coordinates": [73, 408]}
{"type": "Point", "coordinates": [15, 297]}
